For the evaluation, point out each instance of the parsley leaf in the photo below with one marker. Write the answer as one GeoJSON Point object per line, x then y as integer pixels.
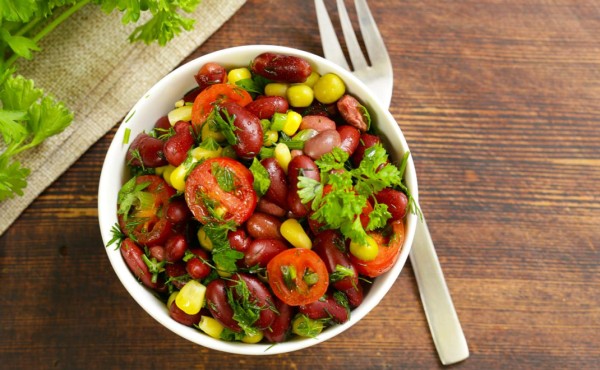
{"type": "Point", "coordinates": [12, 178]}
{"type": "Point", "coordinates": [223, 255]}
{"type": "Point", "coordinates": [224, 176]}
{"type": "Point", "coordinates": [132, 195]}
{"type": "Point", "coordinates": [223, 125]}
{"type": "Point", "coordinates": [262, 180]}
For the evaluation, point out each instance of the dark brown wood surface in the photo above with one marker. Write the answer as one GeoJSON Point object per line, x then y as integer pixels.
{"type": "Point", "coordinates": [500, 104]}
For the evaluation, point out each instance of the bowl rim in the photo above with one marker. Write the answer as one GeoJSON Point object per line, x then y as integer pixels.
{"type": "Point", "coordinates": [115, 159]}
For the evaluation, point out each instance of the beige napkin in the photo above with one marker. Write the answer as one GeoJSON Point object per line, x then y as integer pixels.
{"type": "Point", "coordinates": [88, 63]}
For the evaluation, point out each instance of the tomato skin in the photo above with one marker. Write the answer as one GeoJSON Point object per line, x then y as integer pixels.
{"type": "Point", "coordinates": [301, 259]}
{"type": "Point", "coordinates": [238, 204]}
{"type": "Point", "coordinates": [389, 251]}
{"type": "Point", "coordinates": [155, 229]}
{"type": "Point", "coordinates": [218, 93]}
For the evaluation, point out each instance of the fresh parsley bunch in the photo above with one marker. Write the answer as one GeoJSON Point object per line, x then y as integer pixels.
{"type": "Point", "coordinates": [28, 116]}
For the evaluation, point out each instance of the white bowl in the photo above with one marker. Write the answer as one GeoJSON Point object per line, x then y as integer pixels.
{"type": "Point", "coordinates": [156, 103]}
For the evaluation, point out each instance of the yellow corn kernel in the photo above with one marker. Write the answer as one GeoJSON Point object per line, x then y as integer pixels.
{"type": "Point", "coordinates": [200, 153]}
{"type": "Point", "coordinates": [171, 299]}
{"type": "Point", "coordinates": [312, 79]}
{"type": "Point", "coordinates": [191, 297]}
{"type": "Point", "coordinates": [210, 326]}
{"type": "Point", "coordinates": [238, 74]}
{"type": "Point", "coordinates": [276, 89]}
{"type": "Point", "coordinates": [178, 178]}
{"type": "Point", "coordinates": [207, 132]}
{"type": "Point", "coordinates": [365, 252]}
{"type": "Point", "coordinates": [183, 113]}
{"type": "Point", "coordinates": [204, 240]}
{"type": "Point", "coordinates": [292, 123]}
{"type": "Point", "coordinates": [271, 137]}
{"type": "Point", "coordinates": [306, 327]}
{"type": "Point", "coordinates": [294, 233]}
{"type": "Point", "coordinates": [283, 156]}
{"type": "Point", "coordinates": [179, 103]}
{"type": "Point", "coordinates": [167, 173]}
{"type": "Point", "coordinates": [160, 170]}
{"type": "Point", "coordinates": [300, 95]}
{"type": "Point", "coordinates": [253, 338]}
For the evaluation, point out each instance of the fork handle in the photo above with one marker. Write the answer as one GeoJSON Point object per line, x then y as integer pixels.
{"type": "Point", "coordinates": [444, 325]}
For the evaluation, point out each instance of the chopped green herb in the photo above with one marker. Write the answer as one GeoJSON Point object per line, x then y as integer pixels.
{"type": "Point", "coordinates": [224, 176]}
{"type": "Point", "coordinates": [126, 135]}
{"type": "Point", "coordinates": [262, 180]}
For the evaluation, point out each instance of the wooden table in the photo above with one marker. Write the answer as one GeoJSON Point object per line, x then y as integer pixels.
{"type": "Point", "coordinates": [500, 104]}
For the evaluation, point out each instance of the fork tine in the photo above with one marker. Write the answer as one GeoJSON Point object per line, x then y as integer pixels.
{"type": "Point", "coordinates": [373, 40]}
{"type": "Point", "coordinates": [331, 46]}
{"type": "Point", "coordinates": [356, 55]}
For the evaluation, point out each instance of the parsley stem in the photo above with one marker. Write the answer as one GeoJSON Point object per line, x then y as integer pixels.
{"type": "Point", "coordinates": [27, 27]}
{"type": "Point", "coordinates": [49, 27]}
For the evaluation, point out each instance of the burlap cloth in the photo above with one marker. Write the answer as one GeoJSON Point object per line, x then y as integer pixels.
{"type": "Point", "coordinates": [88, 63]}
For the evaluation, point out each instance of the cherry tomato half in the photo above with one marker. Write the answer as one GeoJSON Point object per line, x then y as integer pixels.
{"type": "Point", "coordinates": [390, 244]}
{"type": "Point", "coordinates": [214, 94]}
{"type": "Point", "coordinates": [146, 222]}
{"type": "Point", "coordinates": [298, 276]}
{"type": "Point", "coordinates": [221, 189]}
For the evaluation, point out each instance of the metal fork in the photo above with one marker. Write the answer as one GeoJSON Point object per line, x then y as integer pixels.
{"type": "Point", "coordinates": [444, 325]}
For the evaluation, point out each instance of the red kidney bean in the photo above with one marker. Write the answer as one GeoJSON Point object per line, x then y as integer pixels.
{"type": "Point", "coordinates": [132, 254]}
{"type": "Point", "coordinates": [352, 112]}
{"type": "Point", "coordinates": [259, 297]}
{"type": "Point", "coordinates": [239, 240]}
{"type": "Point", "coordinates": [280, 327]}
{"type": "Point", "coordinates": [191, 95]}
{"type": "Point", "coordinates": [150, 151]}
{"type": "Point", "coordinates": [261, 251]}
{"type": "Point", "coordinates": [277, 192]}
{"type": "Point", "coordinates": [177, 146]}
{"type": "Point", "coordinates": [318, 123]}
{"type": "Point", "coordinates": [178, 212]}
{"type": "Point", "coordinates": [366, 141]}
{"type": "Point", "coordinates": [331, 247]}
{"type": "Point", "coordinates": [315, 226]}
{"type": "Point", "coordinates": [216, 301]}
{"type": "Point", "coordinates": [305, 166]}
{"type": "Point", "coordinates": [157, 252]}
{"type": "Point", "coordinates": [265, 107]}
{"type": "Point", "coordinates": [196, 267]}
{"type": "Point", "coordinates": [326, 308]}
{"type": "Point", "coordinates": [249, 130]}
{"type": "Point", "coordinates": [163, 123]}
{"type": "Point", "coordinates": [350, 138]}
{"type": "Point", "coordinates": [210, 74]}
{"type": "Point", "coordinates": [183, 318]}
{"type": "Point", "coordinates": [319, 109]}
{"type": "Point", "coordinates": [175, 270]}
{"type": "Point", "coordinates": [268, 207]}
{"type": "Point", "coordinates": [322, 143]}
{"type": "Point", "coordinates": [355, 295]}
{"type": "Point", "coordinates": [281, 68]}
{"type": "Point", "coordinates": [175, 248]}
{"type": "Point", "coordinates": [263, 226]}
{"type": "Point", "coordinates": [395, 200]}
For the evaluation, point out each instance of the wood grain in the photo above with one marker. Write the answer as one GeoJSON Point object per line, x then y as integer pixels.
{"type": "Point", "coordinates": [500, 104]}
